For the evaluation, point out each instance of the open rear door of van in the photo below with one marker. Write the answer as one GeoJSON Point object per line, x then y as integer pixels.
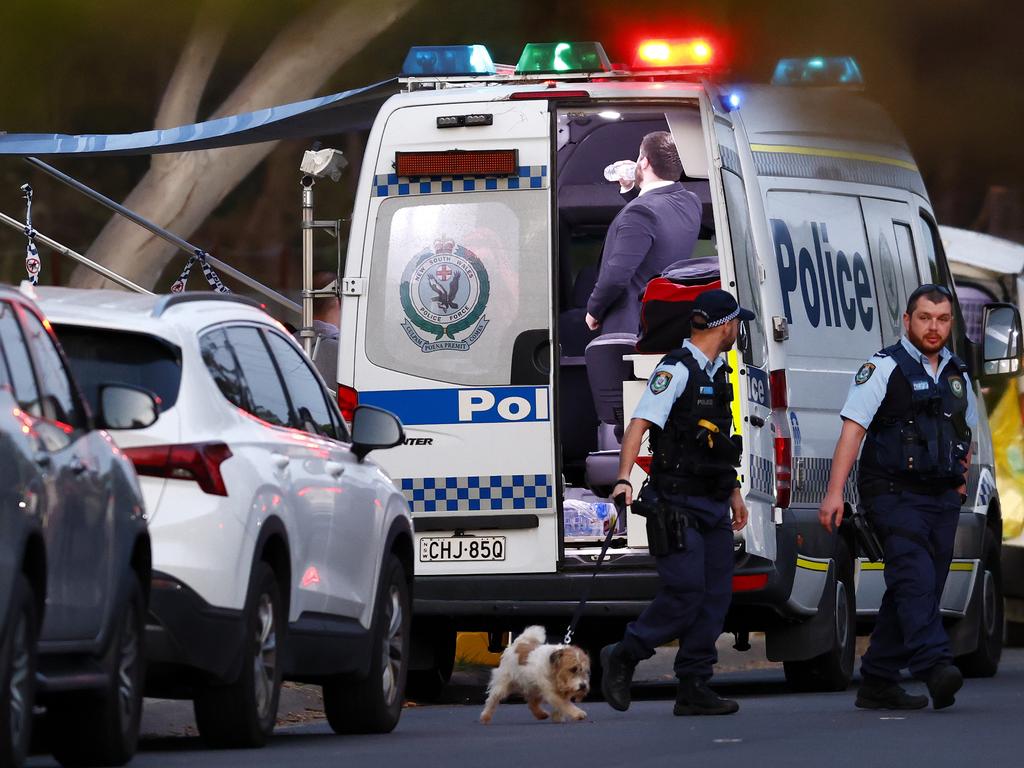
{"type": "Point", "coordinates": [454, 330]}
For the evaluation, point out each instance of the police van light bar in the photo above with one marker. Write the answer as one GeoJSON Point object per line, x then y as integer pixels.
{"type": "Point", "coordinates": [674, 54]}
{"type": "Point", "coordinates": [447, 61]}
{"type": "Point", "coordinates": [457, 162]}
{"type": "Point", "coordinates": [562, 59]}
{"type": "Point", "coordinates": [818, 70]}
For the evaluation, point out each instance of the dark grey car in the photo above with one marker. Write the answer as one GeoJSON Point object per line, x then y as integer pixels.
{"type": "Point", "coordinates": [74, 553]}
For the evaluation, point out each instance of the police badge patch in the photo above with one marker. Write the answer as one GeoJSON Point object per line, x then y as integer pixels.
{"type": "Point", "coordinates": [956, 383]}
{"type": "Point", "coordinates": [864, 373]}
{"type": "Point", "coordinates": [444, 293]}
{"type": "Point", "coordinates": [660, 382]}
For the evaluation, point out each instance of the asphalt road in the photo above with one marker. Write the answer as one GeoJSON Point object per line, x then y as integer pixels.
{"type": "Point", "coordinates": [773, 727]}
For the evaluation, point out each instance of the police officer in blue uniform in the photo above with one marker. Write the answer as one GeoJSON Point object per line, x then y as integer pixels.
{"type": "Point", "coordinates": [691, 491]}
{"type": "Point", "coordinates": [915, 405]}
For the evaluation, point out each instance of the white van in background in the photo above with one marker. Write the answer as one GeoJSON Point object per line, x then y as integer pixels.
{"type": "Point", "coordinates": [987, 269]}
{"type": "Point", "coordinates": [480, 214]}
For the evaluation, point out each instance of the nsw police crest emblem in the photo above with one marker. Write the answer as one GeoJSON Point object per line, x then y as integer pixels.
{"type": "Point", "coordinates": [444, 294]}
{"type": "Point", "coordinates": [956, 384]}
{"type": "Point", "coordinates": [864, 373]}
{"type": "Point", "coordinates": [660, 382]}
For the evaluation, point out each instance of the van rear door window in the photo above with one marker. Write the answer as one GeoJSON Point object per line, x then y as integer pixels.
{"type": "Point", "coordinates": [454, 282]}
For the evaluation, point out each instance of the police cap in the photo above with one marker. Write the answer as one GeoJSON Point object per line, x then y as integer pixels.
{"type": "Point", "coordinates": [716, 307]}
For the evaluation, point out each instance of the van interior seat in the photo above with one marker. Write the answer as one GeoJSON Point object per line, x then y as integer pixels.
{"type": "Point", "coordinates": [577, 418]}
{"type": "Point", "coordinates": [606, 371]}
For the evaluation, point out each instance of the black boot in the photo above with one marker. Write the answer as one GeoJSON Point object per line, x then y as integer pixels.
{"type": "Point", "coordinates": [617, 666]}
{"type": "Point", "coordinates": [943, 681]}
{"type": "Point", "coordinates": [879, 693]}
{"type": "Point", "coordinates": [695, 698]}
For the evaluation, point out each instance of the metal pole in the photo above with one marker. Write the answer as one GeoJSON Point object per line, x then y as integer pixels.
{"type": "Point", "coordinates": [160, 232]}
{"type": "Point", "coordinates": [63, 250]}
{"type": "Point", "coordinates": [306, 333]}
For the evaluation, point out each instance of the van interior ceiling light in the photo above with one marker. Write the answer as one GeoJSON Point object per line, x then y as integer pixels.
{"type": "Point", "coordinates": [695, 52]}
{"type": "Point", "coordinates": [562, 59]}
{"type": "Point", "coordinates": [818, 70]}
{"type": "Point", "coordinates": [448, 61]}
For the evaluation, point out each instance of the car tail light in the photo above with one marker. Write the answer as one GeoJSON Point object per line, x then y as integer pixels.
{"type": "Point", "coordinates": [199, 462]}
{"type": "Point", "coordinates": [783, 438]}
{"type": "Point", "coordinates": [348, 400]}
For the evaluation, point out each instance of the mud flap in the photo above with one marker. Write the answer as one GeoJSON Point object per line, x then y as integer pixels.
{"type": "Point", "coordinates": [964, 633]}
{"type": "Point", "coordinates": [810, 638]}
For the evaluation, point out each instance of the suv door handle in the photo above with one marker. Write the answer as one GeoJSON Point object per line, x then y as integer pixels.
{"type": "Point", "coordinates": [334, 469]}
{"type": "Point", "coordinates": [280, 460]}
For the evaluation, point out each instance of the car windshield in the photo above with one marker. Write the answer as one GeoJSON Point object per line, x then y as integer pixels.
{"type": "Point", "coordinates": [101, 356]}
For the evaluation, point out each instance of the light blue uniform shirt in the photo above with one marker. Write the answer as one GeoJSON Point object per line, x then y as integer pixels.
{"type": "Point", "coordinates": [668, 382]}
{"type": "Point", "coordinates": [864, 398]}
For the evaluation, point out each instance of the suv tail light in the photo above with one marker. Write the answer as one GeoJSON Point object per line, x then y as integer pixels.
{"type": "Point", "coordinates": [348, 400]}
{"type": "Point", "coordinates": [192, 461]}
{"type": "Point", "coordinates": [783, 438]}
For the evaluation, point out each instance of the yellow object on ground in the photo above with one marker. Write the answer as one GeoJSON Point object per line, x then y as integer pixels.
{"type": "Point", "coordinates": [1008, 442]}
{"type": "Point", "coordinates": [471, 648]}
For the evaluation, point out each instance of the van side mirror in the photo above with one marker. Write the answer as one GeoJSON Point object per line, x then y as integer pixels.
{"type": "Point", "coordinates": [125, 407]}
{"type": "Point", "coordinates": [1001, 352]}
{"type": "Point", "coordinates": [374, 428]}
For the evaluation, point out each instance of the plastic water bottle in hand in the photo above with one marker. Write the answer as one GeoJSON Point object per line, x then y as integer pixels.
{"type": "Point", "coordinates": [622, 171]}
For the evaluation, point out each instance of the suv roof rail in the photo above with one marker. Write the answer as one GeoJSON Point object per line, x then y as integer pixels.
{"type": "Point", "coordinates": [166, 302]}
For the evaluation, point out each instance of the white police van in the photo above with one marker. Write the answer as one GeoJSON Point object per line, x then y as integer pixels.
{"type": "Point", "coordinates": [480, 216]}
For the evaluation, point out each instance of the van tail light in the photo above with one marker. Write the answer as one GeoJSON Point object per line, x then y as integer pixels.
{"type": "Point", "coordinates": [783, 440]}
{"type": "Point", "coordinates": [199, 462]}
{"type": "Point", "coordinates": [348, 400]}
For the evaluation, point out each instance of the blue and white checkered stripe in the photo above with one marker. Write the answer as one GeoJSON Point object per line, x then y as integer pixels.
{"type": "Point", "coordinates": [390, 185]}
{"type": "Point", "coordinates": [762, 476]}
{"type": "Point", "coordinates": [487, 493]}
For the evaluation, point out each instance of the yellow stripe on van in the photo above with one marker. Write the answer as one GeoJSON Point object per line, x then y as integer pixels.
{"type": "Point", "coordinates": [811, 565]}
{"type": "Point", "coordinates": [837, 153]}
{"type": "Point", "coordinates": [737, 420]}
{"type": "Point", "coordinates": [869, 566]}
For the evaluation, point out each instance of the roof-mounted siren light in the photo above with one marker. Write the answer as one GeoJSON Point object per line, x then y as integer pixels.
{"type": "Point", "coordinates": [563, 59]}
{"type": "Point", "coordinates": [448, 61]}
{"type": "Point", "coordinates": [818, 70]}
{"type": "Point", "coordinates": [688, 53]}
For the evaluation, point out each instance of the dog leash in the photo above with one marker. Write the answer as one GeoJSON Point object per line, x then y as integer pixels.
{"type": "Point", "coordinates": [620, 509]}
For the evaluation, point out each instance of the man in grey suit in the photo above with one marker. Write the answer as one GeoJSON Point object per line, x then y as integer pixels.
{"type": "Point", "coordinates": [655, 229]}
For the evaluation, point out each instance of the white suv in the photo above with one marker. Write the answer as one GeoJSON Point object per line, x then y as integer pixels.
{"type": "Point", "coordinates": [278, 551]}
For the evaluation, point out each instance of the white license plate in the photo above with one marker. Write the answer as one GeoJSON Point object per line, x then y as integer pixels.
{"type": "Point", "coordinates": [447, 549]}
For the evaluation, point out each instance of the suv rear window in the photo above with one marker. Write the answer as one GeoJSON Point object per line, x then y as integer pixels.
{"type": "Point", "coordinates": [100, 356]}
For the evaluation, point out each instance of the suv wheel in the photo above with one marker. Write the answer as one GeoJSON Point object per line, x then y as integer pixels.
{"type": "Point", "coordinates": [18, 672]}
{"type": "Point", "coordinates": [374, 704]}
{"type": "Point", "coordinates": [103, 729]}
{"type": "Point", "coordinates": [243, 713]}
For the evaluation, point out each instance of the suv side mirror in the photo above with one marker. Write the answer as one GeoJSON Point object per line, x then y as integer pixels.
{"type": "Point", "coordinates": [1001, 353]}
{"type": "Point", "coordinates": [125, 407]}
{"type": "Point", "coordinates": [374, 428]}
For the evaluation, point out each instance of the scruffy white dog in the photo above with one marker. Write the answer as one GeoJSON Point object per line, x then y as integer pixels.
{"type": "Point", "coordinates": [556, 674]}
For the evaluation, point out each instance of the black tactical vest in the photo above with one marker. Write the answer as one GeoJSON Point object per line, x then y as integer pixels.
{"type": "Point", "coordinates": [694, 452]}
{"type": "Point", "coordinates": [919, 435]}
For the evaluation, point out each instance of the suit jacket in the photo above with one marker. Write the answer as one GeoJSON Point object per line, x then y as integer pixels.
{"type": "Point", "coordinates": [652, 231]}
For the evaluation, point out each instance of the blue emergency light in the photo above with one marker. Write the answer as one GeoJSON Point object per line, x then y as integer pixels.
{"type": "Point", "coordinates": [447, 61]}
{"type": "Point", "coordinates": [818, 70]}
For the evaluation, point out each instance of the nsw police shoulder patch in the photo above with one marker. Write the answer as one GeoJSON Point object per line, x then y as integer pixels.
{"type": "Point", "coordinates": [956, 384]}
{"type": "Point", "coordinates": [660, 382]}
{"type": "Point", "coordinates": [864, 373]}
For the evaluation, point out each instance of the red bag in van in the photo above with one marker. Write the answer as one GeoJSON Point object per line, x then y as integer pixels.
{"type": "Point", "coordinates": [667, 301]}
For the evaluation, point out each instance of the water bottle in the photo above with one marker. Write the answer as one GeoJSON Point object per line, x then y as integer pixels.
{"type": "Point", "coordinates": [621, 170]}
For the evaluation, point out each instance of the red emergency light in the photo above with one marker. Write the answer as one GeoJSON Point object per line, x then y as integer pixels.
{"type": "Point", "coordinates": [691, 53]}
{"type": "Point", "coordinates": [457, 162]}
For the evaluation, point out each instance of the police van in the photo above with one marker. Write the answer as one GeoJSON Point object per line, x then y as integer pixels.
{"type": "Point", "coordinates": [476, 235]}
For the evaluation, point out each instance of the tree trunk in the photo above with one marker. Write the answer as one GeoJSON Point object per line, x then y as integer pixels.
{"type": "Point", "coordinates": [180, 190]}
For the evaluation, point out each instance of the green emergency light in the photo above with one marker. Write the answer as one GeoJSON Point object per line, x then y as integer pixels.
{"type": "Point", "coordinates": [562, 59]}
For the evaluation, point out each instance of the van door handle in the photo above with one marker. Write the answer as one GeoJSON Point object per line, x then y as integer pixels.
{"type": "Point", "coordinates": [77, 465]}
{"type": "Point", "coordinates": [280, 460]}
{"type": "Point", "coordinates": [757, 421]}
{"type": "Point", "coordinates": [44, 459]}
{"type": "Point", "coordinates": [334, 469]}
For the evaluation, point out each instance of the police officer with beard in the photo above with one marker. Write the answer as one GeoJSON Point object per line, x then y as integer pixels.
{"type": "Point", "coordinates": [687, 502]}
{"type": "Point", "coordinates": [915, 404]}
